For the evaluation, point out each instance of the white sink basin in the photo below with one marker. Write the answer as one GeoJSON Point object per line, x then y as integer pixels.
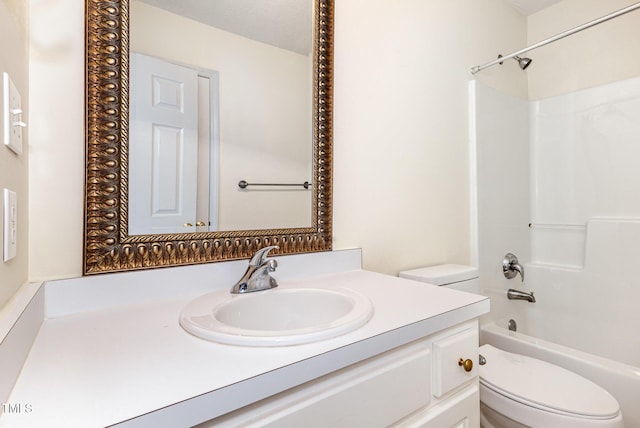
{"type": "Point", "coordinates": [276, 317]}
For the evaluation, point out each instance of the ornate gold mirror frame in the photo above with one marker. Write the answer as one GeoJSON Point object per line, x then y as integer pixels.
{"type": "Point", "coordinates": [107, 245]}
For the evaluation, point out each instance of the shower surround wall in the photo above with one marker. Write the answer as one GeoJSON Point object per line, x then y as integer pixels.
{"type": "Point", "coordinates": [585, 238]}
{"type": "Point", "coordinates": [500, 183]}
{"type": "Point", "coordinates": [583, 243]}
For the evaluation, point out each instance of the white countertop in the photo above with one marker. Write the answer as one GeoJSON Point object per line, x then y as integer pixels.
{"type": "Point", "coordinates": [135, 365]}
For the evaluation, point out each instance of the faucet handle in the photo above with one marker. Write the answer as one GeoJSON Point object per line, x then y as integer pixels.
{"type": "Point", "coordinates": [272, 264]}
{"type": "Point", "coordinates": [511, 267]}
{"type": "Point", "coordinates": [260, 256]}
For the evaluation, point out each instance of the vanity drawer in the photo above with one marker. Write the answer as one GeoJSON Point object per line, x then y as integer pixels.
{"type": "Point", "coordinates": [449, 371]}
{"type": "Point", "coordinates": [375, 392]}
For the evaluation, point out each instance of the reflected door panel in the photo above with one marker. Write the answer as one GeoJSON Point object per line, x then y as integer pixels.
{"type": "Point", "coordinates": [163, 148]}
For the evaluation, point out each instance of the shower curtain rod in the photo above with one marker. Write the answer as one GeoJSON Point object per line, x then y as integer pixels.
{"type": "Point", "coordinates": [574, 30]}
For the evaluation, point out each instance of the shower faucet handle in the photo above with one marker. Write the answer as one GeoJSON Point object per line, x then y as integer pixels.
{"type": "Point", "coordinates": [511, 267]}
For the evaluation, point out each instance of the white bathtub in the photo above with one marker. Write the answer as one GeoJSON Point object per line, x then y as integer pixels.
{"type": "Point", "coordinates": [621, 380]}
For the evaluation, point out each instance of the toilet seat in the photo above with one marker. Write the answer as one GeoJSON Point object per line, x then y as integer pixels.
{"type": "Point", "coordinates": [511, 380]}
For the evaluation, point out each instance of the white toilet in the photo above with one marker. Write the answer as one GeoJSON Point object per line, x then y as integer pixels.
{"type": "Point", "coordinates": [519, 391]}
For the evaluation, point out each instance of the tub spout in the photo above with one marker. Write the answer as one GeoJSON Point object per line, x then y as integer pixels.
{"type": "Point", "coordinates": [520, 295]}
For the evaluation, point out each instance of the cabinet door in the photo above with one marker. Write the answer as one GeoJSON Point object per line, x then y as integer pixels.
{"type": "Point", "coordinates": [462, 410]}
{"type": "Point", "coordinates": [448, 373]}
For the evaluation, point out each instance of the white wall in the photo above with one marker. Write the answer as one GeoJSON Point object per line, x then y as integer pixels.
{"type": "Point", "coordinates": [14, 52]}
{"type": "Point", "coordinates": [602, 54]}
{"type": "Point", "coordinates": [57, 138]}
{"type": "Point", "coordinates": [401, 123]}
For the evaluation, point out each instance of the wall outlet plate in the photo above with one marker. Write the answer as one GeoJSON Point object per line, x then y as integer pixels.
{"type": "Point", "coordinates": [12, 115]}
{"type": "Point", "coordinates": [10, 224]}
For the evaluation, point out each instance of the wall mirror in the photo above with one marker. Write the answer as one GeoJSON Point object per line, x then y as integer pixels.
{"type": "Point", "coordinates": [189, 101]}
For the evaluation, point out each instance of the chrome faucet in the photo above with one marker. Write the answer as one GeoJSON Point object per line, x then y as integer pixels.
{"type": "Point", "coordinates": [520, 295]}
{"type": "Point", "coordinates": [258, 275]}
{"type": "Point", "coordinates": [511, 267]}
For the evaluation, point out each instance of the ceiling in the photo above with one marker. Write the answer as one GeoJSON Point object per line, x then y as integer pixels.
{"type": "Point", "coordinates": [282, 23]}
{"type": "Point", "coordinates": [528, 7]}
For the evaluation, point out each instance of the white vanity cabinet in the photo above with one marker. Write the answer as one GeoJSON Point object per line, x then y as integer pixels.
{"type": "Point", "coordinates": [420, 384]}
{"type": "Point", "coordinates": [399, 369]}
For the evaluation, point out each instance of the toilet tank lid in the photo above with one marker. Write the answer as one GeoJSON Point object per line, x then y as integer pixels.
{"type": "Point", "coordinates": [441, 274]}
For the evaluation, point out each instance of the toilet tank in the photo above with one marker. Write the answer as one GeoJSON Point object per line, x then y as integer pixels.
{"type": "Point", "coordinates": [459, 277]}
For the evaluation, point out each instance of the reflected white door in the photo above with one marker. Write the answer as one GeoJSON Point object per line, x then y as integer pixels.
{"type": "Point", "coordinates": [163, 147]}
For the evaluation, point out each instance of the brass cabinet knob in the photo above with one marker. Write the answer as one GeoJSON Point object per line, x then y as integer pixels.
{"type": "Point", "coordinates": [200, 223]}
{"type": "Point", "coordinates": [188, 225]}
{"type": "Point", "coordinates": [467, 364]}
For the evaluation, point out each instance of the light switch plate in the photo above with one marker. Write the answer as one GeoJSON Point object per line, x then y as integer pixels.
{"type": "Point", "coordinates": [10, 216]}
{"type": "Point", "coordinates": [12, 115]}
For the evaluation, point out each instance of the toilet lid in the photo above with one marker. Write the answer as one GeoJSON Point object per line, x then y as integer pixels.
{"type": "Point", "coordinates": [543, 385]}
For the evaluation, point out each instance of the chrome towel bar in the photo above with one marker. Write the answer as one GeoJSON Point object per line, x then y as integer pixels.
{"type": "Point", "coordinates": [243, 184]}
